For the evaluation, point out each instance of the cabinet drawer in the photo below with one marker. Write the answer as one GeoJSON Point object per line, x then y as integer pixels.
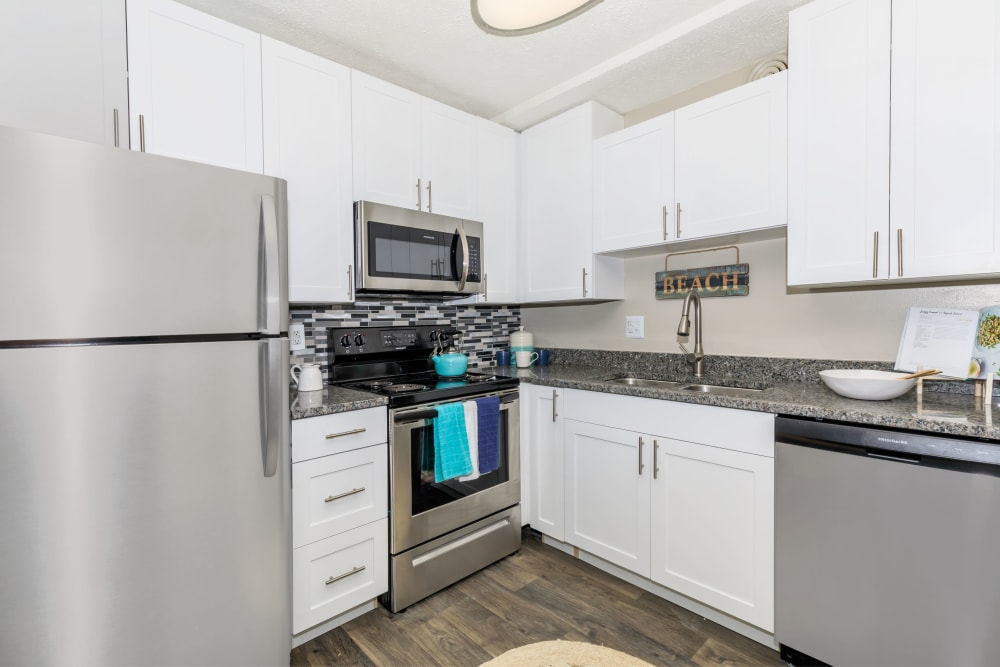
{"type": "Point", "coordinates": [341, 432]}
{"type": "Point", "coordinates": [335, 493]}
{"type": "Point", "coordinates": [332, 576]}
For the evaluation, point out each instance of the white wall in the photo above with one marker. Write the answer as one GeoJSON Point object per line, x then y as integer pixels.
{"type": "Point", "coordinates": [859, 323]}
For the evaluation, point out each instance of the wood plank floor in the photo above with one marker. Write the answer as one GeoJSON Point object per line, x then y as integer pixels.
{"type": "Point", "coordinates": [537, 594]}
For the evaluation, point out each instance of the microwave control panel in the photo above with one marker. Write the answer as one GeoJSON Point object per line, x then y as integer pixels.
{"type": "Point", "coordinates": [475, 270]}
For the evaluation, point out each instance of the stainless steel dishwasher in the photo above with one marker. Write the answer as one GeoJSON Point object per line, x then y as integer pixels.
{"type": "Point", "coordinates": [887, 546]}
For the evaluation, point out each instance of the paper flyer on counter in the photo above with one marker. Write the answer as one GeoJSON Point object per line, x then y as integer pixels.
{"type": "Point", "coordinates": [959, 343]}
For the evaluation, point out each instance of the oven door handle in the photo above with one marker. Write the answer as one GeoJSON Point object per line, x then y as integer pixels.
{"type": "Point", "coordinates": [417, 415]}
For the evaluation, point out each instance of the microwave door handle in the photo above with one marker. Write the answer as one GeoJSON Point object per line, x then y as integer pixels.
{"type": "Point", "coordinates": [465, 257]}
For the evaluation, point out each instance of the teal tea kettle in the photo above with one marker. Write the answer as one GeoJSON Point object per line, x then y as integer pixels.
{"type": "Point", "coordinates": [448, 361]}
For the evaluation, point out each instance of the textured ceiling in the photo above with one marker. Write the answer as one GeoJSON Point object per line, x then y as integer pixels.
{"type": "Point", "coordinates": [626, 54]}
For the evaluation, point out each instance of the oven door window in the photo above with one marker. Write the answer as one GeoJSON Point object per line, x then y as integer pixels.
{"type": "Point", "coordinates": [395, 251]}
{"type": "Point", "coordinates": [426, 493]}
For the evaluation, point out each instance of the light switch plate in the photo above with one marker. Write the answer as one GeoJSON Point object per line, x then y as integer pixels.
{"type": "Point", "coordinates": [297, 336]}
{"type": "Point", "coordinates": [634, 325]}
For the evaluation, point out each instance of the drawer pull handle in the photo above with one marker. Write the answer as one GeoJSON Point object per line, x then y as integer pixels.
{"type": "Point", "coordinates": [344, 575]}
{"type": "Point", "coordinates": [353, 431]}
{"type": "Point", "coordinates": [330, 499]}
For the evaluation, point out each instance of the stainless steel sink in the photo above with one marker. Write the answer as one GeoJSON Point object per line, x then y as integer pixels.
{"type": "Point", "coordinates": [646, 383]}
{"type": "Point", "coordinates": [713, 389]}
{"type": "Point", "coordinates": [719, 390]}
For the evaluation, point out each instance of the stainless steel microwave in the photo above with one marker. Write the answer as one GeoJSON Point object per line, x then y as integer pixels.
{"type": "Point", "coordinates": [407, 252]}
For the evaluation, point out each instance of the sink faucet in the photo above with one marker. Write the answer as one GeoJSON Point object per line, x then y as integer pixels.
{"type": "Point", "coordinates": [696, 358]}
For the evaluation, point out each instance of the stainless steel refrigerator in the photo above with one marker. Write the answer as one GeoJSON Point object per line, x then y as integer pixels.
{"type": "Point", "coordinates": [144, 475]}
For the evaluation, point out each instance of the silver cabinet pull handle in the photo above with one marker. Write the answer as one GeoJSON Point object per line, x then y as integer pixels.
{"type": "Point", "coordinates": [656, 464]}
{"type": "Point", "coordinates": [420, 204]}
{"type": "Point", "coordinates": [664, 222]}
{"type": "Point", "coordinates": [350, 282]}
{"type": "Point", "coordinates": [555, 414]}
{"type": "Point", "coordinates": [116, 128]}
{"type": "Point", "coordinates": [899, 252]}
{"type": "Point", "coordinates": [640, 456]}
{"type": "Point", "coordinates": [353, 431]}
{"type": "Point", "coordinates": [677, 222]}
{"type": "Point", "coordinates": [875, 258]}
{"type": "Point", "coordinates": [142, 133]}
{"type": "Point", "coordinates": [585, 282]}
{"type": "Point", "coordinates": [330, 499]}
{"type": "Point", "coordinates": [344, 575]}
{"type": "Point", "coordinates": [429, 194]}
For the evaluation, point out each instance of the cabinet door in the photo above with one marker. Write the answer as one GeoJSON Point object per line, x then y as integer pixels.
{"type": "Point", "coordinates": [62, 69]}
{"type": "Point", "coordinates": [731, 160]}
{"type": "Point", "coordinates": [634, 186]}
{"type": "Point", "coordinates": [712, 521]}
{"type": "Point", "coordinates": [557, 182]}
{"type": "Point", "coordinates": [449, 165]}
{"type": "Point", "coordinates": [945, 142]}
{"type": "Point", "coordinates": [607, 493]}
{"type": "Point", "coordinates": [386, 129]}
{"type": "Point", "coordinates": [838, 141]}
{"type": "Point", "coordinates": [194, 86]}
{"type": "Point", "coordinates": [541, 433]}
{"type": "Point", "coordinates": [496, 151]}
{"type": "Point", "coordinates": [307, 141]}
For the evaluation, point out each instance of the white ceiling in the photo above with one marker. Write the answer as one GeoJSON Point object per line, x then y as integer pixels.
{"type": "Point", "coordinates": [626, 54]}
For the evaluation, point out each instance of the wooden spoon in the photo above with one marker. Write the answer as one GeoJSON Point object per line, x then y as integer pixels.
{"type": "Point", "coordinates": [919, 374]}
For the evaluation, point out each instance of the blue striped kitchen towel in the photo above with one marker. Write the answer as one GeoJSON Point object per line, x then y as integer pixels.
{"type": "Point", "coordinates": [451, 443]}
{"type": "Point", "coordinates": [488, 414]}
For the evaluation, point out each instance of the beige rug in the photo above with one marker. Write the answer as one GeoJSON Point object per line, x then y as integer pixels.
{"type": "Point", "coordinates": [560, 653]}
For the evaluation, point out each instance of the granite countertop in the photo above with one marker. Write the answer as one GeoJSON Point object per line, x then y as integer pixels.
{"type": "Point", "coordinates": [934, 412]}
{"type": "Point", "coordinates": [789, 387]}
{"type": "Point", "coordinates": [331, 400]}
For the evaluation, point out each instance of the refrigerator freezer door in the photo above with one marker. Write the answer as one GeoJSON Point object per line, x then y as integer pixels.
{"type": "Point", "coordinates": [137, 525]}
{"type": "Point", "coordinates": [98, 242]}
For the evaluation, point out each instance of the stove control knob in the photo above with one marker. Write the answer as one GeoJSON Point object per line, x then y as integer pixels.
{"type": "Point", "coordinates": [434, 336]}
{"type": "Point", "coordinates": [345, 340]}
{"type": "Point", "coordinates": [359, 340]}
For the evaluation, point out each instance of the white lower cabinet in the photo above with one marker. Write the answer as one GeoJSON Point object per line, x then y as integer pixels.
{"type": "Point", "coordinates": [543, 471]}
{"type": "Point", "coordinates": [680, 494]}
{"type": "Point", "coordinates": [340, 527]}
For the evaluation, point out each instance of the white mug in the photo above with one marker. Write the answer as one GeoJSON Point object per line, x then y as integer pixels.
{"type": "Point", "coordinates": [525, 358]}
{"type": "Point", "coordinates": [310, 377]}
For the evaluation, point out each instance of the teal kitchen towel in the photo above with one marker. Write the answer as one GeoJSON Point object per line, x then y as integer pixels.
{"type": "Point", "coordinates": [451, 443]}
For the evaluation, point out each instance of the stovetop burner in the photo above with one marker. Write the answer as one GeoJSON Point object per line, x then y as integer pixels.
{"type": "Point", "coordinates": [396, 362]}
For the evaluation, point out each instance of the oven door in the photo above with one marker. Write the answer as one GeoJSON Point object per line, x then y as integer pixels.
{"type": "Point", "coordinates": [422, 509]}
{"type": "Point", "coordinates": [412, 251]}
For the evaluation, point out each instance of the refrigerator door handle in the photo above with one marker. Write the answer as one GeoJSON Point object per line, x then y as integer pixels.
{"type": "Point", "coordinates": [273, 419]}
{"type": "Point", "coordinates": [268, 269]}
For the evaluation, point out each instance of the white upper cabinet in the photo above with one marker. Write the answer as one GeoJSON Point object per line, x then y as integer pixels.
{"type": "Point", "coordinates": [307, 141]}
{"type": "Point", "coordinates": [557, 183]}
{"type": "Point", "coordinates": [730, 161]}
{"type": "Point", "coordinates": [194, 86]}
{"type": "Point", "coordinates": [634, 186]}
{"type": "Point", "coordinates": [412, 152]}
{"type": "Point", "coordinates": [62, 69]}
{"type": "Point", "coordinates": [497, 152]}
{"type": "Point", "coordinates": [938, 160]}
{"type": "Point", "coordinates": [838, 141]}
{"type": "Point", "coordinates": [944, 138]}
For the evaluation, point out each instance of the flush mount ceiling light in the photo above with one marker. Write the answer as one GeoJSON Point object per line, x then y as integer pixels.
{"type": "Point", "coordinates": [522, 17]}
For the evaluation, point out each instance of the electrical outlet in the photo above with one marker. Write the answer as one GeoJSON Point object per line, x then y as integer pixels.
{"type": "Point", "coordinates": [634, 325]}
{"type": "Point", "coordinates": [297, 336]}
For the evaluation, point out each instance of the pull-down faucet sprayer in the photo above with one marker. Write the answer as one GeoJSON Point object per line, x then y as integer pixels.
{"type": "Point", "coordinates": [696, 358]}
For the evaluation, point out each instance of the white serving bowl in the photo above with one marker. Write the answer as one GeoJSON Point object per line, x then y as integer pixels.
{"type": "Point", "coordinates": [868, 385]}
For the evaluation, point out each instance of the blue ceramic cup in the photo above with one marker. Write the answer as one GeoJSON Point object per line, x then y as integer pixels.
{"type": "Point", "coordinates": [544, 357]}
{"type": "Point", "coordinates": [503, 357]}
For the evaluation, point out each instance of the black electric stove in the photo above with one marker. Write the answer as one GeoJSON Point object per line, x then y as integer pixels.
{"type": "Point", "coordinates": [395, 362]}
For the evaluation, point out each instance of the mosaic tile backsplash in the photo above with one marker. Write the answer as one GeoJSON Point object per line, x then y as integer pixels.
{"type": "Point", "coordinates": [487, 328]}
